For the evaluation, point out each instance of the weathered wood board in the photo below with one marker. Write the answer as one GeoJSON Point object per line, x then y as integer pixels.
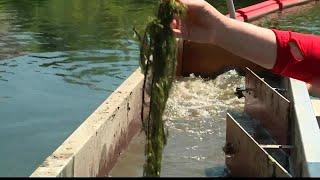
{"type": "Point", "coordinates": [245, 157]}
{"type": "Point", "coordinates": [268, 106]}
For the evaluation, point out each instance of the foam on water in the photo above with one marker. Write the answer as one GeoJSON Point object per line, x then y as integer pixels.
{"type": "Point", "coordinates": [193, 97]}
{"type": "Point", "coordinates": [195, 118]}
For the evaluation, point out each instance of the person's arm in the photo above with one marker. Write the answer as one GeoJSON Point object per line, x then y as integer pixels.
{"type": "Point", "coordinates": [286, 53]}
{"type": "Point", "coordinates": [204, 24]}
{"type": "Point", "coordinates": [248, 41]}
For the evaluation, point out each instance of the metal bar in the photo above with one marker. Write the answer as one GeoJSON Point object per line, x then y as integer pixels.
{"type": "Point", "coordinates": [231, 9]}
{"type": "Point", "coordinates": [276, 146]}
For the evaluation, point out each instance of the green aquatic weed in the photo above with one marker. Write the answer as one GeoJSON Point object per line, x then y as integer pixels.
{"type": "Point", "coordinates": [158, 57]}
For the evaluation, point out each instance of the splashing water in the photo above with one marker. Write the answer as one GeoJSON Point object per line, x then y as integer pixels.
{"type": "Point", "coordinates": [194, 97]}
{"type": "Point", "coordinates": [195, 118]}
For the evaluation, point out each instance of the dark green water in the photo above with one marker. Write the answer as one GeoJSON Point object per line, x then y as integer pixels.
{"type": "Point", "coordinates": [307, 21]}
{"type": "Point", "coordinates": [59, 59]}
{"type": "Point", "coordinates": [195, 118]}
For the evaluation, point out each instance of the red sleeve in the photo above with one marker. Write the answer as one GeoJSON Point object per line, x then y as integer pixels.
{"type": "Point", "coordinates": [287, 65]}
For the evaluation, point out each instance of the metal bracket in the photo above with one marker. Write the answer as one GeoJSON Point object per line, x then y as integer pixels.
{"type": "Point", "coordinates": [281, 90]}
{"type": "Point", "coordinates": [240, 90]}
{"type": "Point", "coordinates": [276, 146]}
{"type": "Point", "coordinates": [245, 157]}
{"type": "Point", "coordinates": [229, 149]}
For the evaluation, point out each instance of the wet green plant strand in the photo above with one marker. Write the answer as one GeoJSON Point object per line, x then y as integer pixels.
{"type": "Point", "coordinates": [158, 57]}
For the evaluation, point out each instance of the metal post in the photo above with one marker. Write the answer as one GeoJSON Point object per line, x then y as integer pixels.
{"type": "Point", "coordinates": [231, 9]}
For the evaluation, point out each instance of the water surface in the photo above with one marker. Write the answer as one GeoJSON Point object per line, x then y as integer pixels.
{"type": "Point", "coordinates": [195, 117]}
{"type": "Point", "coordinates": [59, 59]}
{"type": "Point", "coordinates": [306, 21]}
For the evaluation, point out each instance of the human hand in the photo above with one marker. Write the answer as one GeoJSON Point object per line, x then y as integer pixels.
{"type": "Point", "coordinates": [201, 23]}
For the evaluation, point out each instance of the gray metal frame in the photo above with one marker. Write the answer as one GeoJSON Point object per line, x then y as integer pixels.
{"type": "Point", "coordinates": [305, 132]}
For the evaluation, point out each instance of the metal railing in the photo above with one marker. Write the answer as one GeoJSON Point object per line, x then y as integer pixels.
{"type": "Point", "coordinates": [231, 9]}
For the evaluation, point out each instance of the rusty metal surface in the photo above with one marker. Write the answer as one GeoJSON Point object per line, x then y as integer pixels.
{"type": "Point", "coordinates": [244, 156]}
{"type": "Point", "coordinates": [210, 60]}
{"type": "Point", "coordinates": [268, 106]}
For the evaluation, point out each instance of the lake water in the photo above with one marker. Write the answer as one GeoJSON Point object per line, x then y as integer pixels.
{"type": "Point", "coordinates": [61, 58]}
{"type": "Point", "coordinates": [195, 117]}
{"type": "Point", "coordinates": [307, 21]}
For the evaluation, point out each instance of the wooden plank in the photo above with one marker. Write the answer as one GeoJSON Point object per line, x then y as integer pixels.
{"type": "Point", "coordinates": [265, 104]}
{"type": "Point", "coordinates": [245, 158]}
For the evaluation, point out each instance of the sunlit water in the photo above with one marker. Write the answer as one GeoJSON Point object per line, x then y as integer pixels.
{"type": "Point", "coordinates": [196, 112]}
{"type": "Point", "coordinates": [59, 59]}
{"type": "Point", "coordinates": [307, 21]}
{"type": "Point", "coordinates": [195, 117]}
